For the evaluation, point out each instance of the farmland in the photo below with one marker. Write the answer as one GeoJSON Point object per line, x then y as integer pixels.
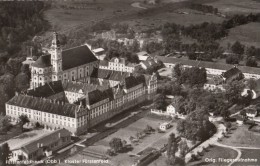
{"type": "Point", "coordinates": [237, 6]}
{"type": "Point", "coordinates": [248, 34]}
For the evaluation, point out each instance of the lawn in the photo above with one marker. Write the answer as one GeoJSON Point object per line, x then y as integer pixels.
{"type": "Point", "coordinates": [249, 154]}
{"type": "Point", "coordinates": [237, 6]}
{"type": "Point", "coordinates": [214, 153]}
{"type": "Point", "coordinates": [241, 137]}
{"type": "Point", "coordinates": [248, 34]}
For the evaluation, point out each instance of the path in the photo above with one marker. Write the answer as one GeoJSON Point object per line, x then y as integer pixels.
{"type": "Point", "coordinates": [237, 149]}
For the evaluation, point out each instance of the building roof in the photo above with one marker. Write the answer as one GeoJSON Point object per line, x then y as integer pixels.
{"type": "Point", "coordinates": [133, 81]}
{"type": "Point", "coordinates": [45, 105]}
{"type": "Point", "coordinates": [231, 72]}
{"type": "Point", "coordinates": [45, 140]}
{"type": "Point", "coordinates": [205, 64]}
{"type": "Point", "coordinates": [98, 95]}
{"type": "Point", "coordinates": [103, 63]}
{"type": "Point", "coordinates": [43, 61]}
{"type": "Point", "coordinates": [47, 89]}
{"type": "Point", "coordinates": [109, 74]}
{"type": "Point", "coordinates": [97, 50]}
{"type": "Point", "coordinates": [77, 56]}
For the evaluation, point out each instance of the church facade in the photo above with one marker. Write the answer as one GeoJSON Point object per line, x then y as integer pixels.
{"type": "Point", "coordinates": [66, 65]}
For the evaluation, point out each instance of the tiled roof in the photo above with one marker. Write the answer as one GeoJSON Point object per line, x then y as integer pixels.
{"type": "Point", "coordinates": [45, 140]}
{"type": "Point", "coordinates": [98, 95]}
{"type": "Point", "coordinates": [43, 61]}
{"type": "Point", "coordinates": [133, 81]}
{"type": "Point", "coordinates": [108, 74]}
{"type": "Point", "coordinates": [45, 105]}
{"type": "Point", "coordinates": [212, 65]}
{"type": "Point", "coordinates": [103, 63]}
{"type": "Point", "coordinates": [77, 56]}
{"type": "Point", "coordinates": [47, 90]}
{"type": "Point", "coordinates": [55, 87]}
{"type": "Point", "coordinates": [231, 72]}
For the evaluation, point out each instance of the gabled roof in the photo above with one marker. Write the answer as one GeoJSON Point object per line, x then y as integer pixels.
{"type": "Point", "coordinates": [43, 61]}
{"type": "Point", "coordinates": [47, 90]}
{"type": "Point", "coordinates": [77, 56]}
{"type": "Point", "coordinates": [231, 72]}
{"type": "Point", "coordinates": [45, 140]}
{"type": "Point", "coordinates": [109, 74]}
{"type": "Point", "coordinates": [44, 105]}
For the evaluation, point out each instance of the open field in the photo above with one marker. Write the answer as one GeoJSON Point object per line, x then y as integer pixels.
{"type": "Point", "coordinates": [241, 137]}
{"type": "Point", "coordinates": [64, 18]}
{"type": "Point", "coordinates": [248, 34]}
{"type": "Point", "coordinates": [237, 6]}
{"type": "Point", "coordinates": [215, 153]}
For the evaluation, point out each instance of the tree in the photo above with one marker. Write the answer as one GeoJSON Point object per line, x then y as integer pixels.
{"type": "Point", "coordinates": [232, 59]}
{"type": "Point", "coordinates": [233, 91]}
{"type": "Point", "coordinates": [184, 148]}
{"type": "Point", "coordinates": [177, 71]}
{"type": "Point", "coordinates": [251, 62]}
{"type": "Point", "coordinates": [238, 48]}
{"type": "Point", "coordinates": [160, 103]}
{"type": "Point", "coordinates": [116, 144]}
{"type": "Point", "coordinates": [6, 123]}
{"type": "Point", "coordinates": [172, 148]}
{"type": "Point", "coordinates": [196, 126]}
{"type": "Point", "coordinates": [23, 119]}
{"type": "Point", "coordinates": [5, 154]}
{"type": "Point", "coordinates": [252, 84]}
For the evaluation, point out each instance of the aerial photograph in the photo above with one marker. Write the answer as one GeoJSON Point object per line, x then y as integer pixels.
{"type": "Point", "coordinates": [129, 82]}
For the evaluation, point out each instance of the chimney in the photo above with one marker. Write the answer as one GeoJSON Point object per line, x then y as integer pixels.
{"type": "Point", "coordinates": [59, 135]}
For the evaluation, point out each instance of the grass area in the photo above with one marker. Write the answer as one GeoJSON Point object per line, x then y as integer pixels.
{"type": "Point", "coordinates": [248, 34]}
{"type": "Point", "coordinates": [214, 154]}
{"type": "Point", "coordinates": [249, 154]}
{"type": "Point", "coordinates": [237, 6]}
{"type": "Point", "coordinates": [241, 137]}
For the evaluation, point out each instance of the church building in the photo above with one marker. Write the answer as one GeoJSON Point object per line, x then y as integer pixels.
{"type": "Point", "coordinates": [66, 65]}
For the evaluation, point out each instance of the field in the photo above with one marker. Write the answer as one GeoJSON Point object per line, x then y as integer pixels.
{"type": "Point", "coordinates": [248, 34]}
{"type": "Point", "coordinates": [241, 137]}
{"type": "Point", "coordinates": [249, 154]}
{"type": "Point", "coordinates": [237, 6]}
{"type": "Point", "coordinates": [63, 19]}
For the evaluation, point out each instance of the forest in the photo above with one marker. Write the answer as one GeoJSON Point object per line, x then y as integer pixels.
{"type": "Point", "coordinates": [19, 23]}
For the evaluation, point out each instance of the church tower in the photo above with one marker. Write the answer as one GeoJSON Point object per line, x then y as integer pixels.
{"type": "Point", "coordinates": [56, 58]}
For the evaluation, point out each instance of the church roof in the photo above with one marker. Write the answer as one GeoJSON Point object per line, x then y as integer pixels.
{"type": "Point", "coordinates": [77, 56]}
{"type": "Point", "coordinates": [43, 61]}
